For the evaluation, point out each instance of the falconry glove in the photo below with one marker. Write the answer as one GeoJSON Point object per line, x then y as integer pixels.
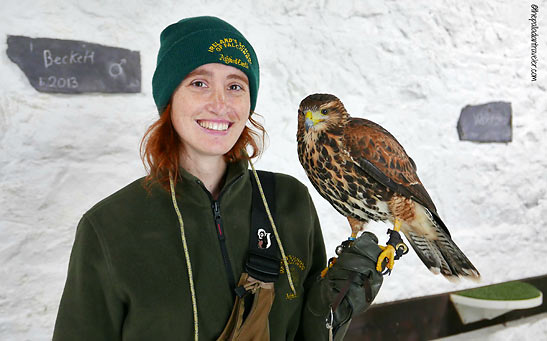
{"type": "Point", "coordinates": [350, 285]}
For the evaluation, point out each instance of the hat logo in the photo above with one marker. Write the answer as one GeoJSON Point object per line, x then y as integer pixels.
{"type": "Point", "coordinates": [220, 45]}
{"type": "Point", "coordinates": [230, 60]}
{"type": "Point", "coordinates": [264, 239]}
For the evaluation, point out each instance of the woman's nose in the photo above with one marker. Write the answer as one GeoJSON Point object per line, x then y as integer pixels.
{"type": "Point", "coordinates": [218, 100]}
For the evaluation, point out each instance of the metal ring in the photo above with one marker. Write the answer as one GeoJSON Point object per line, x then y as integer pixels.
{"type": "Point", "coordinates": [402, 245]}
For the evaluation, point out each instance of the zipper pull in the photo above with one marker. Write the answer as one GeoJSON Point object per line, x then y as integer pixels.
{"type": "Point", "coordinates": [216, 212]}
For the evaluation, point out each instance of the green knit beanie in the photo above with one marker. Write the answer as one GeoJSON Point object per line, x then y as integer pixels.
{"type": "Point", "coordinates": [193, 42]}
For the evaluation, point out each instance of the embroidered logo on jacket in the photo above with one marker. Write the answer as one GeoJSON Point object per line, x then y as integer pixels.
{"type": "Point", "coordinates": [296, 266]}
{"type": "Point", "coordinates": [264, 239]}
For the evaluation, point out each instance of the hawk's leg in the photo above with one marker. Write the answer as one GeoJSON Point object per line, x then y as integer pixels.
{"type": "Point", "coordinates": [356, 227]}
{"type": "Point", "coordinates": [388, 251]}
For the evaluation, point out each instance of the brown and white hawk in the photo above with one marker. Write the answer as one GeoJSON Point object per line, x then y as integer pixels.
{"type": "Point", "coordinates": [361, 169]}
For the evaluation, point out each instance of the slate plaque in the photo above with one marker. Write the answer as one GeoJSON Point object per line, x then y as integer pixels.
{"type": "Point", "coordinates": [70, 66]}
{"type": "Point", "coordinates": [490, 122]}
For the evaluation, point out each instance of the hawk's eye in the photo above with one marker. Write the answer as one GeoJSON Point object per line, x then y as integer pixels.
{"type": "Point", "coordinates": [324, 111]}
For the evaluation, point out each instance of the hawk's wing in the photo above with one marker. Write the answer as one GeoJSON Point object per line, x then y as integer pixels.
{"type": "Point", "coordinates": [379, 154]}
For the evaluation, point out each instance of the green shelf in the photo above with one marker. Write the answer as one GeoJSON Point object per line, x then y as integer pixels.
{"type": "Point", "coordinates": [508, 291]}
{"type": "Point", "coordinates": [491, 301]}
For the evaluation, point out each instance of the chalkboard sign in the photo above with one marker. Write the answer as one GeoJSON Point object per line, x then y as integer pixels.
{"type": "Point", "coordinates": [490, 122]}
{"type": "Point", "coordinates": [69, 66]}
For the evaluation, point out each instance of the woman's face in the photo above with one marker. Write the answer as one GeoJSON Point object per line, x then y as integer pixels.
{"type": "Point", "coordinates": [210, 108]}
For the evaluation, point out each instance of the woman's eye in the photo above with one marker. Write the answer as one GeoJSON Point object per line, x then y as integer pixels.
{"type": "Point", "coordinates": [236, 87]}
{"type": "Point", "coordinates": [198, 84]}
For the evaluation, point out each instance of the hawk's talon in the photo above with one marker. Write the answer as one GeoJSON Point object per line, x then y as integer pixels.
{"type": "Point", "coordinates": [332, 261]}
{"type": "Point", "coordinates": [388, 254]}
{"type": "Point", "coordinates": [394, 250]}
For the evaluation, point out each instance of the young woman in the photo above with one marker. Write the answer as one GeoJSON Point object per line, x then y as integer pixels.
{"type": "Point", "coordinates": [166, 257]}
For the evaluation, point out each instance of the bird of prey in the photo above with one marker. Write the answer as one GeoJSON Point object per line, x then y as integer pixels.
{"type": "Point", "coordinates": [363, 171]}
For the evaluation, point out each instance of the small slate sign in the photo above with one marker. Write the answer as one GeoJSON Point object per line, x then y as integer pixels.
{"type": "Point", "coordinates": [490, 122]}
{"type": "Point", "coordinates": [69, 66]}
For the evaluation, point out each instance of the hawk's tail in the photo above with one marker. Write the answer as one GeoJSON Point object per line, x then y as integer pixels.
{"type": "Point", "coordinates": [439, 252]}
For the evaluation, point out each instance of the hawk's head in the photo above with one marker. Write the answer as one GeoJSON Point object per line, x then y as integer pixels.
{"type": "Point", "coordinates": [319, 112]}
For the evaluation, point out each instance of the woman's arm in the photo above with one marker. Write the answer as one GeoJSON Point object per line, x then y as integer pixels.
{"type": "Point", "coordinates": [90, 309]}
{"type": "Point", "coordinates": [354, 272]}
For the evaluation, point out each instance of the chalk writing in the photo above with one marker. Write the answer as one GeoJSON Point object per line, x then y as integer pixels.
{"type": "Point", "coordinates": [75, 67]}
{"type": "Point", "coordinates": [58, 82]}
{"type": "Point", "coordinates": [72, 58]}
{"type": "Point", "coordinates": [488, 119]}
{"type": "Point", "coordinates": [490, 122]}
{"type": "Point", "coordinates": [116, 68]}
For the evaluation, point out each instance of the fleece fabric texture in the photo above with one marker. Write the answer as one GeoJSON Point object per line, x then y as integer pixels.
{"type": "Point", "coordinates": [127, 277]}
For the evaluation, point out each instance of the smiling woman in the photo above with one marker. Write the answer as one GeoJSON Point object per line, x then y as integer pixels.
{"type": "Point", "coordinates": [206, 117]}
{"type": "Point", "coordinates": [160, 258]}
{"type": "Point", "coordinates": [209, 111]}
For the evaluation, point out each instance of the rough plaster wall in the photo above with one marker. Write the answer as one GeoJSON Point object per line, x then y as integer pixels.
{"type": "Point", "coordinates": [409, 66]}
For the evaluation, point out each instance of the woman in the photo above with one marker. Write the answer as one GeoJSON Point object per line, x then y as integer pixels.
{"type": "Point", "coordinates": [161, 258]}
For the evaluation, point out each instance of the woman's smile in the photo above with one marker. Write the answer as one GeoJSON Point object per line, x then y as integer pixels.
{"type": "Point", "coordinates": [214, 126]}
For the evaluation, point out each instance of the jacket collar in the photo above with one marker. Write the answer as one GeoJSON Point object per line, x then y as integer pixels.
{"type": "Point", "coordinates": [189, 184]}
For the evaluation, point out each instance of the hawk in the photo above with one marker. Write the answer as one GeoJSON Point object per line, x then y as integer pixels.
{"type": "Point", "coordinates": [363, 171]}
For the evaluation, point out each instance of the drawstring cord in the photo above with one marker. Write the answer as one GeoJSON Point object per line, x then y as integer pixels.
{"type": "Point", "coordinates": [285, 263]}
{"type": "Point", "coordinates": [187, 256]}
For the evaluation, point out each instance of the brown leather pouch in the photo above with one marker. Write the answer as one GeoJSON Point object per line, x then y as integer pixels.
{"type": "Point", "coordinates": [255, 325]}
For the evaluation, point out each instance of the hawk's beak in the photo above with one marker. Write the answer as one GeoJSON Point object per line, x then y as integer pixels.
{"type": "Point", "coordinates": [311, 120]}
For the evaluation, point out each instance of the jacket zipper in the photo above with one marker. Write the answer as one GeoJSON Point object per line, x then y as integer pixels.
{"type": "Point", "coordinates": [218, 220]}
{"type": "Point", "coordinates": [220, 231]}
{"type": "Point", "coordinates": [222, 242]}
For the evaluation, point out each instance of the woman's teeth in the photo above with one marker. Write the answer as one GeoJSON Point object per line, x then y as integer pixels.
{"type": "Point", "coordinates": [221, 126]}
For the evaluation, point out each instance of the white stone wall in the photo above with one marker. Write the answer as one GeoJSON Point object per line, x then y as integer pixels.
{"type": "Point", "coordinates": [409, 66]}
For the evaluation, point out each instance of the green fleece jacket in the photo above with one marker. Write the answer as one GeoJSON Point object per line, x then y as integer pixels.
{"type": "Point", "coordinates": [127, 277]}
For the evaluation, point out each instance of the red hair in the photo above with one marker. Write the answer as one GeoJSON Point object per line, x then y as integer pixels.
{"type": "Point", "coordinates": [161, 146]}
